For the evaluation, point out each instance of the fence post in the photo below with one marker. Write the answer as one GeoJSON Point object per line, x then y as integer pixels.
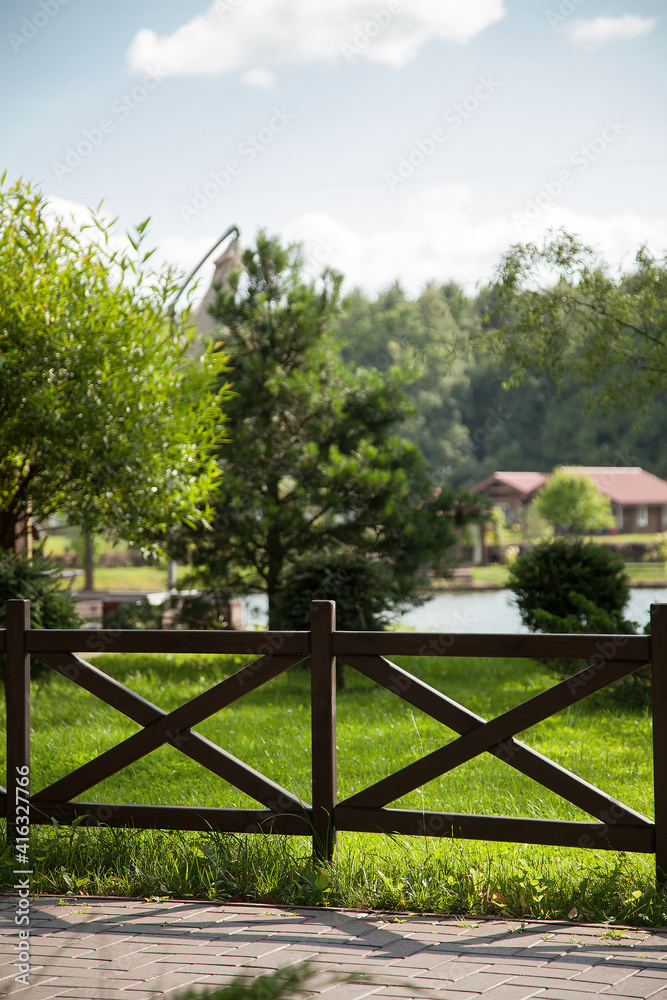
{"type": "Point", "coordinates": [323, 722]}
{"type": "Point", "coordinates": [659, 690]}
{"type": "Point", "coordinates": [17, 693]}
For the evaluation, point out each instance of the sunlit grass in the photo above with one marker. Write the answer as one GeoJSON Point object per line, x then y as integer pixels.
{"type": "Point", "coordinates": [638, 572]}
{"type": "Point", "coordinates": [138, 578]}
{"type": "Point", "coordinates": [605, 743]}
{"type": "Point", "coordinates": [646, 571]}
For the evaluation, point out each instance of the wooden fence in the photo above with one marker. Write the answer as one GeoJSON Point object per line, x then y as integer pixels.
{"type": "Point", "coordinates": [614, 826]}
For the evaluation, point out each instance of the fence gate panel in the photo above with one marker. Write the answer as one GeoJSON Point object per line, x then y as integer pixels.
{"type": "Point", "coordinates": [615, 825]}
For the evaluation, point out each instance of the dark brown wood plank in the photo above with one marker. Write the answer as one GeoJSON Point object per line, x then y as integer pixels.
{"type": "Point", "coordinates": [3, 639]}
{"type": "Point", "coordinates": [17, 695]}
{"type": "Point", "coordinates": [152, 641]}
{"type": "Point", "coordinates": [491, 734]}
{"type": "Point", "coordinates": [626, 647]}
{"type": "Point", "coordinates": [143, 817]}
{"type": "Point", "coordinates": [167, 727]}
{"type": "Point", "coordinates": [519, 756]}
{"type": "Point", "coordinates": [323, 727]}
{"type": "Point", "coordinates": [509, 829]}
{"type": "Point", "coordinates": [659, 672]}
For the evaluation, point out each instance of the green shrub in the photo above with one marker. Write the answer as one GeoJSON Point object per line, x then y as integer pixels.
{"type": "Point", "coordinates": [209, 609]}
{"type": "Point", "coordinates": [366, 592]}
{"type": "Point", "coordinates": [568, 585]}
{"type": "Point", "coordinates": [553, 575]}
{"type": "Point", "coordinates": [139, 614]}
{"type": "Point", "coordinates": [38, 581]}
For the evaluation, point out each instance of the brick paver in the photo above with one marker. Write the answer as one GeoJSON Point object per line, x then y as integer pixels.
{"type": "Point", "coordinates": [98, 949]}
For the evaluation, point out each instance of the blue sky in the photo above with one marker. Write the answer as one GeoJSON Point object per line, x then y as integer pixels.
{"type": "Point", "coordinates": [412, 141]}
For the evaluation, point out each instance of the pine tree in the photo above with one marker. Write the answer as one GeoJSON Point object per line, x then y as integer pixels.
{"type": "Point", "coordinates": [313, 458]}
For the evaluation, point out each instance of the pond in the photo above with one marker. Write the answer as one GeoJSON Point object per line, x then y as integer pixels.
{"type": "Point", "coordinates": [471, 611]}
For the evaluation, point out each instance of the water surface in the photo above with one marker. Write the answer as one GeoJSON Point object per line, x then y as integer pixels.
{"type": "Point", "coordinates": [472, 611]}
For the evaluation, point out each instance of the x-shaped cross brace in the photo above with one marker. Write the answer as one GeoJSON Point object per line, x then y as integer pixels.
{"type": "Point", "coordinates": [495, 736]}
{"type": "Point", "coordinates": [174, 728]}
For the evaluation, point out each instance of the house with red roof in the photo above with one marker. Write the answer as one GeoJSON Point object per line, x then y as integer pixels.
{"type": "Point", "coordinates": [510, 491]}
{"type": "Point", "coordinates": [638, 498]}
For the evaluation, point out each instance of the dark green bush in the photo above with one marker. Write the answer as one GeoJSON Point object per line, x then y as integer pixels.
{"type": "Point", "coordinates": [554, 575]}
{"type": "Point", "coordinates": [568, 585]}
{"type": "Point", "coordinates": [366, 592]}
{"type": "Point", "coordinates": [38, 581]}
{"type": "Point", "coordinates": [209, 609]}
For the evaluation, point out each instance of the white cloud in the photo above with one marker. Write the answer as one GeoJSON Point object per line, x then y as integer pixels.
{"type": "Point", "coordinates": [433, 236]}
{"type": "Point", "coordinates": [239, 35]}
{"type": "Point", "coordinates": [610, 29]}
{"type": "Point", "coordinates": [260, 78]}
{"type": "Point", "coordinates": [436, 237]}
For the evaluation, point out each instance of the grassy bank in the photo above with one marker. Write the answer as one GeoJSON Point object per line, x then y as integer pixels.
{"type": "Point", "coordinates": [639, 572]}
{"type": "Point", "coordinates": [606, 744]}
{"type": "Point", "coordinates": [127, 578]}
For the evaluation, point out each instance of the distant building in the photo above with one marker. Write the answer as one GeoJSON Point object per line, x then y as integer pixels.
{"type": "Point", "coordinates": [638, 498]}
{"type": "Point", "coordinates": [510, 491]}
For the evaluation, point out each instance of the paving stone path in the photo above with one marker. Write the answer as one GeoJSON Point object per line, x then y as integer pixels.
{"type": "Point", "coordinates": [123, 949]}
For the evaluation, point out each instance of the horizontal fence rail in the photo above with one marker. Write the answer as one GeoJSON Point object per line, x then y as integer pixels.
{"type": "Point", "coordinates": [613, 825]}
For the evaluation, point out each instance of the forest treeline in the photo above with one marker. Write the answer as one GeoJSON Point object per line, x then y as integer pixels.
{"type": "Point", "coordinates": [469, 419]}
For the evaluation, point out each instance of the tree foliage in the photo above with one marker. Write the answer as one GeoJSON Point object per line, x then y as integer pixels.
{"type": "Point", "coordinates": [36, 580]}
{"type": "Point", "coordinates": [424, 340]}
{"type": "Point", "coordinates": [472, 414]}
{"type": "Point", "coordinates": [106, 411]}
{"type": "Point", "coordinates": [366, 591]}
{"type": "Point", "coordinates": [572, 502]}
{"type": "Point", "coordinates": [571, 586]}
{"type": "Point", "coordinates": [569, 581]}
{"type": "Point", "coordinates": [608, 331]}
{"type": "Point", "coordinates": [313, 460]}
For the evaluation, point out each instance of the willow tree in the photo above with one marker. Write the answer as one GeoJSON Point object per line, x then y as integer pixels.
{"type": "Point", "coordinates": [107, 414]}
{"type": "Point", "coordinates": [566, 313]}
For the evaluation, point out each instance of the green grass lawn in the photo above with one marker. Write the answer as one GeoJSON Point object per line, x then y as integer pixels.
{"type": "Point", "coordinates": [127, 578]}
{"type": "Point", "coordinates": [491, 574]}
{"type": "Point", "coordinates": [107, 577]}
{"type": "Point", "coordinates": [605, 743]}
{"type": "Point", "coordinates": [646, 537]}
{"type": "Point", "coordinates": [59, 544]}
{"type": "Point", "coordinates": [652, 572]}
